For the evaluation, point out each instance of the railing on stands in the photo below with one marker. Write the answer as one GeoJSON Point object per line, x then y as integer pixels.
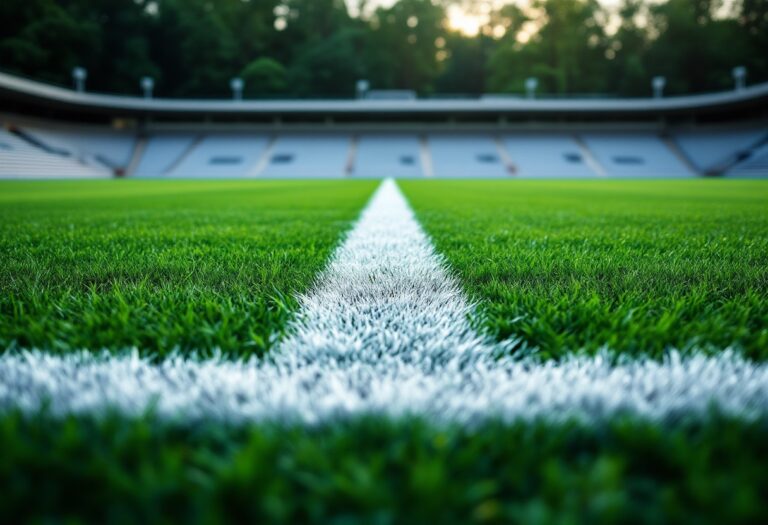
{"type": "Point", "coordinates": [37, 93]}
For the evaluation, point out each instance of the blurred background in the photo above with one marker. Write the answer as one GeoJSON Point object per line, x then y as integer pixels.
{"type": "Point", "coordinates": [320, 48]}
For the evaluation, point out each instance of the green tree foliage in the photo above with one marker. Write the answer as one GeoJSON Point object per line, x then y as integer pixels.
{"type": "Point", "coordinates": [302, 48]}
{"type": "Point", "coordinates": [465, 68]}
{"type": "Point", "coordinates": [566, 54]}
{"type": "Point", "coordinates": [753, 18]}
{"type": "Point", "coordinates": [402, 45]}
{"type": "Point", "coordinates": [264, 77]}
{"type": "Point", "coordinates": [328, 68]}
{"type": "Point", "coordinates": [694, 48]}
{"type": "Point", "coordinates": [627, 70]}
{"type": "Point", "coordinates": [40, 38]}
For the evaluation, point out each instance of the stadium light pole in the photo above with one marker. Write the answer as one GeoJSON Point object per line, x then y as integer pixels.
{"type": "Point", "coordinates": [79, 75]}
{"type": "Point", "coordinates": [147, 86]}
{"type": "Point", "coordinates": [739, 78]}
{"type": "Point", "coordinates": [531, 85]}
{"type": "Point", "coordinates": [362, 88]}
{"type": "Point", "coordinates": [658, 83]}
{"type": "Point", "coordinates": [237, 86]}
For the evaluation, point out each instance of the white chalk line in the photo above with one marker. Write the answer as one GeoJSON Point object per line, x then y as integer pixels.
{"type": "Point", "coordinates": [385, 331]}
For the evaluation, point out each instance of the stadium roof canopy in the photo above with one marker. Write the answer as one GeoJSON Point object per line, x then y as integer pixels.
{"type": "Point", "coordinates": [20, 95]}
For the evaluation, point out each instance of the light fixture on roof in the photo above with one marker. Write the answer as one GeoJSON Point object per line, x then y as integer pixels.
{"type": "Point", "coordinates": [531, 85]}
{"type": "Point", "coordinates": [79, 75]}
{"type": "Point", "coordinates": [362, 87]}
{"type": "Point", "coordinates": [658, 84]}
{"type": "Point", "coordinates": [739, 78]}
{"type": "Point", "coordinates": [147, 86]}
{"type": "Point", "coordinates": [237, 86]}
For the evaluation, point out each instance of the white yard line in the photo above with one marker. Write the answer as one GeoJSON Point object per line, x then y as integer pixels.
{"type": "Point", "coordinates": [385, 293]}
{"type": "Point", "coordinates": [385, 331]}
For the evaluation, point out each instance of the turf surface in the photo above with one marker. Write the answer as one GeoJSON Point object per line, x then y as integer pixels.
{"type": "Point", "coordinates": [637, 266]}
{"type": "Point", "coordinates": [370, 471]}
{"type": "Point", "coordinates": [161, 265]}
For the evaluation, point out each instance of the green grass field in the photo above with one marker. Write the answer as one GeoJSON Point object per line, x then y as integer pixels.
{"type": "Point", "coordinates": [563, 266]}
{"type": "Point", "coordinates": [638, 267]}
{"type": "Point", "coordinates": [382, 472]}
{"type": "Point", "coordinates": [163, 266]}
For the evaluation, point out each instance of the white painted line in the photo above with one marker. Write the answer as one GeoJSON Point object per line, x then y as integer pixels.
{"type": "Point", "coordinates": [385, 293]}
{"type": "Point", "coordinates": [385, 331]}
{"type": "Point", "coordinates": [442, 388]}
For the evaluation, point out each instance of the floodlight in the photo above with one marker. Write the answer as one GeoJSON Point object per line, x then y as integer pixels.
{"type": "Point", "coordinates": [362, 88]}
{"type": "Point", "coordinates": [79, 75]}
{"type": "Point", "coordinates": [147, 86]}
{"type": "Point", "coordinates": [531, 85]}
{"type": "Point", "coordinates": [739, 77]}
{"type": "Point", "coordinates": [658, 83]}
{"type": "Point", "coordinates": [237, 86]}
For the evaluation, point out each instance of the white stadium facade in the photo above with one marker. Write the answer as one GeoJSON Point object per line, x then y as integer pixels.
{"type": "Point", "coordinates": [51, 132]}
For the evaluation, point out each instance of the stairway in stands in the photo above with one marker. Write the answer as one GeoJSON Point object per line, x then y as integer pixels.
{"type": "Point", "coordinates": [24, 158]}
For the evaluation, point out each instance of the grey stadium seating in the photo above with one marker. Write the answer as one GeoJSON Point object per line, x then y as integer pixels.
{"type": "Point", "coordinates": [162, 152]}
{"type": "Point", "coordinates": [388, 155]}
{"type": "Point", "coordinates": [713, 150]}
{"type": "Point", "coordinates": [21, 160]}
{"type": "Point", "coordinates": [756, 165]}
{"type": "Point", "coordinates": [466, 156]}
{"type": "Point", "coordinates": [636, 155]}
{"type": "Point", "coordinates": [53, 131]}
{"type": "Point", "coordinates": [222, 156]}
{"type": "Point", "coordinates": [542, 155]}
{"type": "Point", "coordinates": [105, 146]}
{"type": "Point", "coordinates": [309, 156]}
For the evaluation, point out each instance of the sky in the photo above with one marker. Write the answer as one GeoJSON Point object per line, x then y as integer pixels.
{"type": "Point", "coordinates": [470, 22]}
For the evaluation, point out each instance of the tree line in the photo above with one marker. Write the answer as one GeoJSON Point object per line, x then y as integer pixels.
{"type": "Point", "coordinates": [303, 48]}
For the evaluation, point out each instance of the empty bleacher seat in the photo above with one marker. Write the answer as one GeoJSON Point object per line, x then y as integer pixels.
{"type": "Point", "coordinates": [106, 146]}
{"type": "Point", "coordinates": [465, 155]}
{"type": "Point", "coordinates": [388, 156]}
{"type": "Point", "coordinates": [222, 156]}
{"type": "Point", "coordinates": [162, 152]}
{"type": "Point", "coordinates": [713, 150]}
{"type": "Point", "coordinates": [22, 160]}
{"type": "Point", "coordinates": [308, 156]}
{"type": "Point", "coordinates": [755, 165]}
{"type": "Point", "coordinates": [546, 156]}
{"type": "Point", "coordinates": [635, 155]}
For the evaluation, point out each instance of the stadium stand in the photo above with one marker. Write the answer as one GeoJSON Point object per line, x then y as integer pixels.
{"type": "Point", "coordinates": [635, 155]}
{"type": "Point", "coordinates": [104, 146]}
{"type": "Point", "coordinates": [222, 156]}
{"type": "Point", "coordinates": [711, 151]}
{"type": "Point", "coordinates": [162, 153]}
{"type": "Point", "coordinates": [466, 155]}
{"type": "Point", "coordinates": [553, 155]}
{"type": "Point", "coordinates": [388, 155]}
{"type": "Point", "coordinates": [20, 159]}
{"type": "Point", "coordinates": [309, 156]}
{"type": "Point", "coordinates": [756, 165]}
{"type": "Point", "coordinates": [57, 132]}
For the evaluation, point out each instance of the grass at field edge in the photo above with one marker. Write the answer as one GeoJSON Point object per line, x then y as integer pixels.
{"type": "Point", "coordinates": [374, 470]}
